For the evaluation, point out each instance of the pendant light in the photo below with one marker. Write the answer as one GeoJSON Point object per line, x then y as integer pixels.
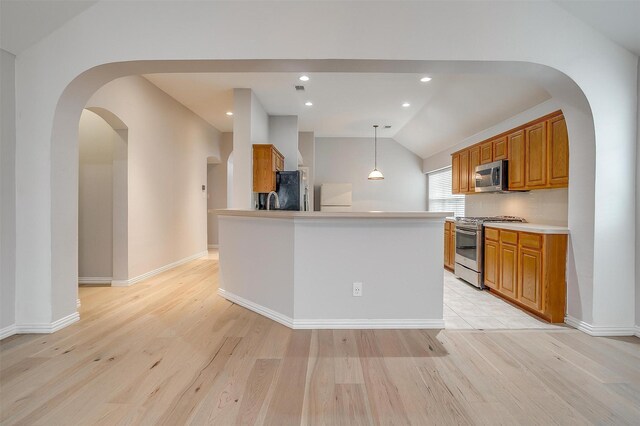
{"type": "Point", "coordinates": [375, 174]}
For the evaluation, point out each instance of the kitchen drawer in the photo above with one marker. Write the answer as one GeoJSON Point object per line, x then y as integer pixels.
{"type": "Point", "coordinates": [491, 234]}
{"type": "Point", "coordinates": [447, 225]}
{"type": "Point", "coordinates": [530, 240]}
{"type": "Point", "coordinates": [510, 237]}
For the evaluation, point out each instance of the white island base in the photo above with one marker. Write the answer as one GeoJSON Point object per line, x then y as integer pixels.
{"type": "Point", "coordinates": [298, 268]}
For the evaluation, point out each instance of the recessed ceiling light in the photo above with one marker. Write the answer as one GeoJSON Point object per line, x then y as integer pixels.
{"type": "Point", "coordinates": [229, 113]}
{"type": "Point", "coordinates": [406, 104]}
{"type": "Point", "coordinates": [425, 79]}
{"type": "Point", "coordinates": [304, 78]}
{"type": "Point", "coordinates": [308, 103]}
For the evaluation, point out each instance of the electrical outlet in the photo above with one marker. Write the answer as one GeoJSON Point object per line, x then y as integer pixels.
{"type": "Point", "coordinates": [357, 289]}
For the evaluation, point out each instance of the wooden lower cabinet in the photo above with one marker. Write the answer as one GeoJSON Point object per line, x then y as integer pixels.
{"type": "Point", "coordinates": [530, 273]}
{"type": "Point", "coordinates": [491, 264]}
{"type": "Point", "coordinates": [530, 278]}
{"type": "Point", "coordinates": [449, 245]}
{"type": "Point", "coordinates": [508, 268]}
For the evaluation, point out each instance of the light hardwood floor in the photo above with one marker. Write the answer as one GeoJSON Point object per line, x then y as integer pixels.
{"type": "Point", "coordinates": [170, 351]}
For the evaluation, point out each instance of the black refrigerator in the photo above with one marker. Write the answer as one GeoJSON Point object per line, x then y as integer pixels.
{"type": "Point", "coordinates": [289, 187]}
{"type": "Point", "coordinates": [290, 190]}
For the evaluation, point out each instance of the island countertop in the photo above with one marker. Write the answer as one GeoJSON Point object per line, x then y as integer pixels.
{"type": "Point", "coordinates": [286, 214]}
{"type": "Point", "coordinates": [300, 268]}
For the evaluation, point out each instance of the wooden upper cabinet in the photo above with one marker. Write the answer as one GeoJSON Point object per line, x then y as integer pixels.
{"type": "Point", "coordinates": [455, 174]}
{"type": "Point", "coordinates": [515, 148]}
{"type": "Point", "coordinates": [486, 152]}
{"type": "Point", "coordinates": [538, 154]}
{"type": "Point", "coordinates": [266, 161]}
{"type": "Point", "coordinates": [500, 150]}
{"type": "Point", "coordinates": [464, 171]}
{"type": "Point", "coordinates": [535, 139]}
{"type": "Point", "coordinates": [474, 160]}
{"type": "Point", "coordinates": [557, 152]}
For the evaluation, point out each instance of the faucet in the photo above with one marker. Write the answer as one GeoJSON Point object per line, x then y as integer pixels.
{"type": "Point", "coordinates": [269, 200]}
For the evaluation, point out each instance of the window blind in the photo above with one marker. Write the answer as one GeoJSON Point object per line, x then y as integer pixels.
{"type": "Point", "coordinates": [440, 197]}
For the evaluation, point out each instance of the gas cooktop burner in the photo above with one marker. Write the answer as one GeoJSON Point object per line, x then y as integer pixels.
{"type": "Point", "coordinates": [483, 219]}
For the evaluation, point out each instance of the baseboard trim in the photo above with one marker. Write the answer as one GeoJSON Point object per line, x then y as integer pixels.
{"type": "Point", "coordinates": [7, 331]}
{"type": "Point", "coordinates": [46, 328]}
{"type": "Point", "coordinates": [369, 324]}
{"type": "Point", "coordinates": [259, 309]}
{"type": "Point", "coordinates": [599, 331]}
{"type": "Point", "coordinates": [94, 280]}
{"type": "Point", "coordinates": [146, 275]}
{"type": "Point", "coordinates": [78, 303]}
{"type": "Point", "coordinates": [213, 246]}
{"type": "Point", "coordinates": [637, 331]}
{"type": "Point", "coordinates": [331, 324]}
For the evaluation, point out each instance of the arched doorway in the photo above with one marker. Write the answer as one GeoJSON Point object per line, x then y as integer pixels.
{"type": "Point", "coordinates": [563, 90]}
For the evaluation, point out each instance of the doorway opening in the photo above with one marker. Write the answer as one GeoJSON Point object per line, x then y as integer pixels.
{"type": "Point", "coordinates": [102, 198]}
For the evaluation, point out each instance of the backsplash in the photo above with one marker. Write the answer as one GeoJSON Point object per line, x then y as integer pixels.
{"type": "Point", "coordinates": [544, 206]}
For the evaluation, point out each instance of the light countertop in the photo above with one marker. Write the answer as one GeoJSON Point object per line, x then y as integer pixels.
{"type": "Point", "coordinates": [289, 214]}
{"type": "Point", "coordinates": [529, 227]}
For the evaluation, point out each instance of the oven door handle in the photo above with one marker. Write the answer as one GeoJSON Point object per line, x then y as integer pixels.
{"type": "Point", "coordinates": [462, 231]}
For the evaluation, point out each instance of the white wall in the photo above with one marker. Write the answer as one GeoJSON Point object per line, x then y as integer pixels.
{"type": "Point", "coordinates": [97, 140]}
{"type": "Point", "coordinates": [167, 165]}
{"type": "Point", "coordinates": [474, 38]}
{"type": "Point", "coordinates": [283, 134]}
{"type": "Point", "coordinates": [350, 160]}
{"type": "Point", "coordinates": [545, 206]}
{"type": "Point", "coordinates": [7, 190]}
{"type": "Point", "coordinates": [307, 148]}
{"type": "Point", "coordinates": [638, 209]}
{"type": "Point", "coordinates": [250, 126]}
{"type": "Point", "coordinates": [217, 184]}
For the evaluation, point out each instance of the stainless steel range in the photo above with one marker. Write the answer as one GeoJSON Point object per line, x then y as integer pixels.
{"type": "Point", "coordinates": [470, 246]}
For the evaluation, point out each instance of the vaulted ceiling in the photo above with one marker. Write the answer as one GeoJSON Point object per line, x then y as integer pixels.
{"type": "Point", "coordinates": [442, 112]}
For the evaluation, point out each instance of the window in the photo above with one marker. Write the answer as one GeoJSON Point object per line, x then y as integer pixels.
{"type": "Point", "coordinates": [440, 197]}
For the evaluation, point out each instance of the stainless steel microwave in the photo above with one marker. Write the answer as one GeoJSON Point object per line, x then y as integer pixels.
{"type": "Point", "coordinates": [492, 177]}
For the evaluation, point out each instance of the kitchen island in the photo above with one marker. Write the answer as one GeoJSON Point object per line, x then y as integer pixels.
{"type": "Point", "coordinates": [299, 268]}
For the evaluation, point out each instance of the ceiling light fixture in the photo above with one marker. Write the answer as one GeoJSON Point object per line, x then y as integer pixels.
{"type": "Point", "coordinates": [229, 113]}
{"type": "Point", "coordinates": [308, 103]}
{"type": "Point", "coordinates": [304, 78]}
{"type": "Point", "coordinates": [406, 105]}
{"type": "Point", "coordinates": [375, 174]}
{"type": "Point", "coordinates": [425, 79]}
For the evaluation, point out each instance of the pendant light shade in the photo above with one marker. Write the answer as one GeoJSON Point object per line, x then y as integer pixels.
{"type": "Point", "coordinates": [375, 174]}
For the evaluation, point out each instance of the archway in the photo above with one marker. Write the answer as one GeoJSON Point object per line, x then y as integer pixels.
{"type": "Point", "coordinates": [562, 89]}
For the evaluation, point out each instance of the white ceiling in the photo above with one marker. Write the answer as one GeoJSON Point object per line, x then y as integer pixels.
{"type": "Point", "coordinates": [25, 22]}
{"type": "Point", "coordinates": [443, 111]}
{"type": "Point", "coordinates": [619, 20]}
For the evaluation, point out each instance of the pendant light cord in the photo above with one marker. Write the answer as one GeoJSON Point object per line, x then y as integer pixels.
{"type": "Point", "coordinates": [375, 147]}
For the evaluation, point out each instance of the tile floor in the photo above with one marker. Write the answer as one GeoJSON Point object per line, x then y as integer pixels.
{"type": "Point", "coordinates": [466, 307]}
